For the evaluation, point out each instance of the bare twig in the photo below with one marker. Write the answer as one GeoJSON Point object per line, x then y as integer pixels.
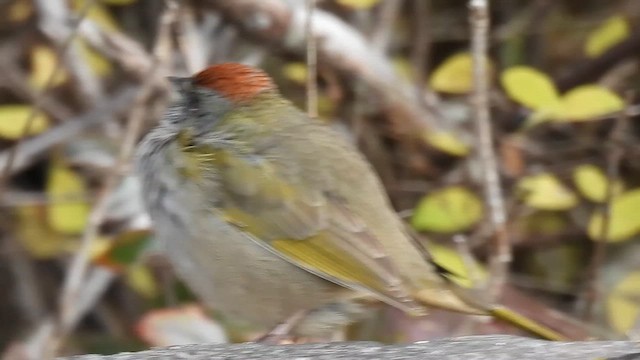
{"type": "Point", "coordinates": [28, 294]}
{"type": "Point", "coordinates": [20, 156]}
{"type": "Point", "coordinates": [124, 50]}
{"type": "Point", "coordinates": [58, 23]}
{"type": "Point", "coordinates": [15, 79]}
{"type": "Point", "coordinates": [39, 344]}
{"type": "Point", "coordinates": [192, 44]}
{"type": "Point", "coordinates": [421, 50]}
{"type": "Point", "coordinates": [501, 252]}
{"type": "Point", "coordinates": [384, 27]}
{"type": "Point", "coordinates": [614, 156]}
{"type": "Point", "coordinates": [76, 278]}
{"type": "Point", "coordinates": [470, 263]}
{"type": "Point", "coordinates": [312, 62]}
{"type": "Point", "coordinates": [65, 45]}
{"type": "Point", "coordinates": [592, 69]}
{"type": "Point", "coordinates": [342, 48]}
{"type": "Point", "coordinates": [17, 198]}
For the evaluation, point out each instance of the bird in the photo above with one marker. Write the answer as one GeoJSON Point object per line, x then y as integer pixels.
{"type": "Point", "coordinates": [274, 218]}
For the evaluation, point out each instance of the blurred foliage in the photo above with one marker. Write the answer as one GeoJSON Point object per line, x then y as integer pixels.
{"type": "Point", "coordinates": [562, 77]}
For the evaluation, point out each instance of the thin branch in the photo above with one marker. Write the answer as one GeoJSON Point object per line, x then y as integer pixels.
{"type": "Point", "coordinates": [76, 277]}
{"type": "Point", "coordinates": [37, 105]}
{"type": "Point", "coordinates": [40, 343]}
{"type": "Point", "coordinates": [21, 155]}
{"type": "Point", "coordinates": [590, 70]}
{"type": "Point", "coordinates": [384, 27]}
{"type": "Point", "coordinates": [61, 26]}
{"type": "Point", "coordinates": [16, 80]}
{"type": "Point", "coordinates": [312, 62]}
{"type": "Point", "coordinates": [421, 49]}
{"type": "Point", "coordinates": [342, 48]}
{"type": "Point", "coordinates": [192, 43]}
{"type": "Point", "coordinates": [614, 156]}
{"type": "Point", "coordinates": [471, 265]}
{"type": "Point", "coordinates": [501, 252]}
{"type": "Point", "coordinates": [27, 292]}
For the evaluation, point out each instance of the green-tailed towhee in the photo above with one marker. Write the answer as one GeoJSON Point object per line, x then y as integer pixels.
{"type": "Point", "coordinates": [267, 213]}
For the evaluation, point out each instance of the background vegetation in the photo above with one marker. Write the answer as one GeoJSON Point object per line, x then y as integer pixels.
{"type": "Point", "coordinates": [528, 185]}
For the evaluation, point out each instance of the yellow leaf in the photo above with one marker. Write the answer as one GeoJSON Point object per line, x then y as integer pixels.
{"type": "Point", "coordinates": [403, 68]}
{"type": "Point", "coordinates": [326, 106]}
{"type": "Point", "coordinates": [66, 216]}
{"type": "Point", "coordinates": [455, 74]}
{"type": "Point", "coordinates": [624, 221]}
{"type": "Point", "coordinates": [448, 210]}
{"type": "Point", "coordinates": [587, 102]}
{"type": "Point", "coordinates": [36, 237]}
{"type": "Point", "coordinates": [20, 11]}
{"type": "Point", "coordinates": [358, 4]}
{"type": "Point", "coordinates": [99, 14]}
{"type": "Point", "coordinates": [541, 223]}
{"type": "Point", "coordinates": [13, 119]}
{"type": "Point", "coordinates": [530, 87]}
{"type": "Point", "coordinates": [98, 63]}
{"type": "Point", "coordinates": [296, 72]}
{"type": "Point", "coordinates": [43, 63]}
{"type": "Point", "coordinates": [140, 279]}
{"type": "Point", "coordinates": [612, 31]}
{"type": "Point", "coordinates": [567, 264]}
{"type": "Point", "coordinates": [592, 183]}
{"type": "Point", "coordinates": [622, 304]}
{"type": "Point", "coordinates": [545, 192]}
{"type": "Point", "coordinates": [453, 262]}
{"type": "Point", "coordinates": [447, 143]}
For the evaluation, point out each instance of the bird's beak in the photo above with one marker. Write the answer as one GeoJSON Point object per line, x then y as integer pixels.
{"type": "Point", "coordinates": [179, 87]}
{"type": "Point", "coordinates": [179, 84]}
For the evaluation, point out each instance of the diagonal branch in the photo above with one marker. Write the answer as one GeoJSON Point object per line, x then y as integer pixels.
{"type": "Point", "coordinates": [501, 252]}
{"type": "Point", "coordinates": [282, 24]}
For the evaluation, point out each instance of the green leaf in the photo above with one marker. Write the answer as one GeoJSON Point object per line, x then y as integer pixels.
{"type": "Point", "coordinates": [530, 87]}
{"type": "Point", "coordinates": [125, 249]}
{"type": "Point", "coordinates": [545, 192]}
{"type": "Point", "coordinates": [455, 74]}
{"type": "Point", "coordinates": [448, 210]}
{"type": "Point", "coordinates": [625, 219]}
{"type": "Point", "coordinates": [592, 183]}
{"type": "Point", "coordinates": [14, 119]}
{"type": "Point", "coordinates": [588, 102]}
{"type": "Point", "coordinates": [612, 31]}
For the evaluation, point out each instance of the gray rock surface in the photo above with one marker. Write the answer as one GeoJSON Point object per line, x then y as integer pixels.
{"type": "Point", "coordinates": [495, 347]}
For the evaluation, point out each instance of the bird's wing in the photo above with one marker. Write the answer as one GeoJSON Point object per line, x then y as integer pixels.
{"type": "Point", "coordinates": [311, 228]}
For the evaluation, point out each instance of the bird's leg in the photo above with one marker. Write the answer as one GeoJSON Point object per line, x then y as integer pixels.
{"type": "Point", "coordinates": [283, 330]}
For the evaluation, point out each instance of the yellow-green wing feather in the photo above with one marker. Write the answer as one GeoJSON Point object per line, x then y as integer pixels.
{"type": "Point", "coordinates": [311, 228]}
